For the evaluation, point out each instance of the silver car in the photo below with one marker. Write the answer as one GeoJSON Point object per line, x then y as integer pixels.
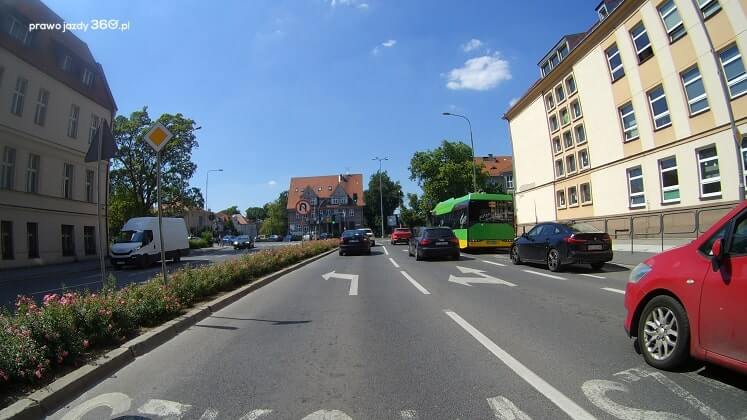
{"type": "Point", "coordinates": [370, 235]}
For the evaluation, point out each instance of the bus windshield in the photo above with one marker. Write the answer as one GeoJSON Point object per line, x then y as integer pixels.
{"type": "Point", "coordinates": [491, 212]}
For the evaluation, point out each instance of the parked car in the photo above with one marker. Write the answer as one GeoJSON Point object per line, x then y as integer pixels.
{"type": "Point", "coordinates": [260, 238]}
{"type": "Point", "coordinates": [325, 235]}
{"type": "Point", "coordinates": [428, 242]}
{"type": "Point", "coordinates": [140, 243]}
{"type": "Point", "coordinates": [243, 242]}
{"type": "Point", "coordinates": [275, 238]}
{"type": "Point", "coordinates": [401, 235]}
{"type": "Point", "coordinates": [691, 300]}
{"type": "Point", "coordinates": [370, 235]}
{"type": "Point", "coordinates": [227, 240]}
{"type": "Point", "coordinates": [354, 241]}
{"type": "Point", "coordinates": [559, 244]}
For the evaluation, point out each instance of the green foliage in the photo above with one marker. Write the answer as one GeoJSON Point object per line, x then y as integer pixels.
{"type": "Point", "coordinates": [392, 197]}
{"type": "Point", "coordinates": [414, 214]}
{"type": "Point", "coordinates": [110, 283]}
{"type": "Point", "coordinates": [232, 210]}
{"type": "Point", "coordinates": [256, 213]}
{"type": "Point", "coordinates": [207, 236]}
{"type": "Point", "coordinates": [276, 222]}
{"type": "Point", "coordinates": [199, 243]}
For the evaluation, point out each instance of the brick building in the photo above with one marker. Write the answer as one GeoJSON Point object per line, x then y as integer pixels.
{"type": "Point", "coordinates": [329, 204]}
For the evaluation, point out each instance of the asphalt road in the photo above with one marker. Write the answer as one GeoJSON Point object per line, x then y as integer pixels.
{"type": "Point", "coordinates": [37, 282]}
{"type": "Point", "coordinates": [386, 337]}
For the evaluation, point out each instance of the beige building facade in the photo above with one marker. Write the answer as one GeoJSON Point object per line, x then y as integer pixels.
{"type": "Point", "coordinates": [53, 95]}
{"type": "Point", "coordinates": [630, 117]}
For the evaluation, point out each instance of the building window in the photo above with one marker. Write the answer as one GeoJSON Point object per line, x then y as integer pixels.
{"type": "Point", "coordinates": [568, 139]}
{"type": "Point", "coordinates": [614, 62]}
{"type": "Point", "coordinates": [546, 68]}
{"type": "Point", "coordinates": [6, 239]}
{"type": "Point", "coordinates": [68, 241]}
{"type": "Point", "coordinates": [32, 174]}
{"type": "Point", "coordinates": [94, 126]}
{"type": "Point", "coordinates": [565, 117]}
{"type": "Point", "coordinates": [563, 51]}
{"type": "Point", "coordinates": [708, 7]}
{"type": "Point", "coordinates": [627, 117]}
{"type": "Point", "coordinates": [576, 109]}
{"type": "Point", "coordinates": [559, 93]}
{"type": "Point", "coordinates": [670, 183]}
{"type": "Point", "coordinates": [556, 146]}
{"type": "Point", "coordinates": [602, 11]}
{"type": "Point", "coordinates": [549, 101]}
{"type": "Point", "coordinates": [67, 63]}
{"type": "Point", "coordinates": [67, 181]}
{"type": "Point", "coordinates": [32, 240]}
{"type": "Point", "coordinates": [697, 100]}
{"type": "Point", "coordinates": [89, 186]}
{"type": "Point", "coordinates": [585, 192]}
{"type": "Point", "coordinates": [41, 107]}
{"type": "Point", "coordinates": [570, 164]}
{"type": "Point", "coordinates": [19, 31]}
{"type": "Point", "coordinates": [16, 107]}
{"type": "Point", "coordinates": [570, 85]}
{"type": "Point", "coordinates": [554, 123]}
{"type": "Point", "coordinates": [580, 134]}
{"type": "Point", "coordinates": [659, 108]}
{"type": "Point", "coordinates": [635, 187]}
{"type": "Point", "coordinates": [72, 121]}
{"type": "Point", "coordinates": [731, 62]}
{"type": "Point", "coordinates": [672, 20]}
{"type": "Point", "coordinates": [744, 159]}
{"type": "Point", "coordinates": [583, 159]}
{"type": "Point", "coordinates": [560, 196]}
{"type": "Point", "coordinates": [510, 178]}
{"type": "Point", "coordinates": [559, 168]}
{"type": "Point", "coordinates": [89, 240]}
{"type": "Point", "coordinates": [8, 169]}
{"type": "Point", "coordinates": [572, 196]}
{"type": "Point", "coordinates": [642, 44]}
{"type": "Point", "coordinates": [708, 171]}
{"type": "Point", "coordinates": [87, 78]}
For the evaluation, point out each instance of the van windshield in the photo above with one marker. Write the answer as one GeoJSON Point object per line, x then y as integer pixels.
{"type": "Point", "coordinates": [127, 236]}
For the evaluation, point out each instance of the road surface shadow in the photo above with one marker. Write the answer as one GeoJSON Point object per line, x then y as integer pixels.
{"type": "Point", "coordinates": [217, 327]}
{"type": "Point", "coordinates": [274, 322]}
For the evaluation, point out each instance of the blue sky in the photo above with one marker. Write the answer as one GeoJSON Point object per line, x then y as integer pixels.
{"type": "Point", "coordinates": [287, 88]}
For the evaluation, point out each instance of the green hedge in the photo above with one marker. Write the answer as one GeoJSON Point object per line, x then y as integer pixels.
{"type": "Point", "coordinates": [37, 339]}
{"type": "Point", "coordinates": [199, 243]}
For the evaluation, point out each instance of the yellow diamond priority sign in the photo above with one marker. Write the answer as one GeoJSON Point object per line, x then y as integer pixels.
{"type": "Point", "coordinates": [158, 136]}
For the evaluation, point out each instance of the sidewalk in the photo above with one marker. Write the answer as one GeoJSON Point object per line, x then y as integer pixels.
{"type": "Point", "coordinates": [630, 259]}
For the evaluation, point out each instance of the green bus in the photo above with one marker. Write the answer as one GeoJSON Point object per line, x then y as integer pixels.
{"type": "Point", "coordinates": [479, 220]}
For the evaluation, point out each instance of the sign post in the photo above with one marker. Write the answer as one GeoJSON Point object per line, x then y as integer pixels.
{"type": "Point", "coordinates": [157, 137]}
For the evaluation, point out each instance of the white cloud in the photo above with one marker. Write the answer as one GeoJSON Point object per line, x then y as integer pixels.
{"type": "Point", "coordinates": [479, 73]}
{"type": "Point", "coordinates": [349, 3]}
{"type": "Point", "coordinates": [272, 182]}
{"type": "Point", "coordinates": [513, 101]}
{"type": "Point", "coordinates": [471, 45]}
{"type": "Point", "coordinates": [386, 44]}
{"type": "Point", "coordinates": [363, 6]}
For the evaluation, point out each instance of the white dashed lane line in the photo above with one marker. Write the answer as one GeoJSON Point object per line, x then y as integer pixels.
{"type": "Point", "coordinates": [493, 263]}
{"type": "Point", "coordinates": [386, 251]}
{"type": "Point", "coordinates": [394, 263]}
{"type": "Point", "coordinates": [609, 289]}
{"type": "Point", "coordinates": [552, 276]}
{"type": "Point", "coordinates": [417, 285]}
{"type": "Point", "coordinates": [592, 276]}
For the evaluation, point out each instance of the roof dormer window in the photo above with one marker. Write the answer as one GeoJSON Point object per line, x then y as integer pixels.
{"type": "Point", "coordinates": [87, 77]}
{"type": "Point", "coordinates": [19, 31]}
{"type": "Point", "coordinates": [602, 11]}
{"type": "Point", "coordinates": [554, 58]}
{"type": "Point", "coordinates": [67, 63]}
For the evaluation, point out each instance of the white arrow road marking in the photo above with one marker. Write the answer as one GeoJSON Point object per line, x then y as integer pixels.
{"type": "Point", "coordinates": [596, 390]}
{"type": "Point", "coordinates": [593, 276]}
{"type": "Point", "coordinates": [119, 404]}
{"type": "Point", "coordinates": [209, 414]}
{"type": "Point", "coordinates": [545, 275]}
{"type": "Point", "coordinates": [417, 285]}
{"type": "Point", "coordinates": [352, 277]}
{"type": "Point", "coordinates": [484, 278]}
{"type": "Point", "coordinates": [164, 408]}
{"type": "Point", "coordinates": [609, 289]}
{"type": "Point", "coordinates": [504, 409]}
{"type": "Point", "coordinates": [327, 415]}
{"type": "Point", "coordinates": [255, 414]}
{"type": "Point", "coordinates": [409, 414]}
{"type": "Point", "coordinates": [574, 410]}
{"type": "Point", "coordinates": [494, 263]}
{"type": "Point", "coordinates": [394, 263]}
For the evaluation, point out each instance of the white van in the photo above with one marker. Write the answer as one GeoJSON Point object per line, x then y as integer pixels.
{"type": "Point", "coordinates": [139, 243]}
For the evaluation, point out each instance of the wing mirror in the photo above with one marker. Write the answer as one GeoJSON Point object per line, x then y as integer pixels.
{"type": "Point", "coordinates": [717, 252]}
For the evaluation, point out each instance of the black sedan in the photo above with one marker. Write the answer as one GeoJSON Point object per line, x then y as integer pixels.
{"type": "Point", "coordinates": [559, 244]}
{"type": "Point", "coordinates": [438, 242]}
{"type": "Point", "coordinates": [354, 241]}
{"type": "Point", "coordinates": [243, 242]}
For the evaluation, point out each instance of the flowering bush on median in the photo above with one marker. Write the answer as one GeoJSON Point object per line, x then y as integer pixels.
{"type": "Point", "coordinates": [37, 338]}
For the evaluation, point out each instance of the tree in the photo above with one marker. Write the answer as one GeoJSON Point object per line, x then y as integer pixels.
{"type": "Point", "coordinates": [232, 210]}
{"type": "Point", "coordinates": [134, 168]}
{"type": "Point", "coordinates": [392, 197]}
{"type": "Point", "coordinates": [256, 213]}
{"type": "Point", "coordinates": [413, 215]}
{"type": "Point", "coordinates": [276, 222]}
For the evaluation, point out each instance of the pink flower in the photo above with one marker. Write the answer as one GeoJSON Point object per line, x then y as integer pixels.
{"type": "Point", "coordinates": [85, 344]}
{"type": "Point", "coordinates": [38, 373]}
{"type": "Point", "coordinates": [4, 376]}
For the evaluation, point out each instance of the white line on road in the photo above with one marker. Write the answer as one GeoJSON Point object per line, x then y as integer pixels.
{"type": "Point", "coordinates": [417, 285]}
{"type": "Point", "coordinates": [327, 415]}
{"type": "Point", "coordinates": [209, 414]}
{"type": "Point", "coordinates": [404, 250]}
{"type": "Point", "coordinates": [574, 410]}
{"type": "Point", "coordinates": [393, 262]}
{"type": "Point", "coordinates": [255, 414]}
{"type": "Point", "coordinates": [609, 289]}
{"type": "Point", "coordinates": [493, 262]}
{"type": "Point", "coordinates": [593, 276]}
{"type": "Point", "coordinates": [385, 250]}
{"type": "Point", "coordinates": [164, 408]}
{"type": "Point", "coordinates": [545, 275]}
{"type": "Point", "coordinates": [408, 414]}
{"type": "Point", "coordinates": [504, 409]}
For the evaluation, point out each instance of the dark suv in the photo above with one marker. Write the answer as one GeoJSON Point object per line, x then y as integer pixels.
{"type": "Point", "coordinates": [430, 242]}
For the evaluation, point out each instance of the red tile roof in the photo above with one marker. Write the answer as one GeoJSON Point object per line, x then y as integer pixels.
{"type": "Point", "coordinates": [495, 165]}
{"type": "Point", "coordinates": [352, 184]}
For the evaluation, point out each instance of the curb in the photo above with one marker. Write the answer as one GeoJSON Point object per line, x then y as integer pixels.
{"type": "Point", "coordinates": [44, 401]}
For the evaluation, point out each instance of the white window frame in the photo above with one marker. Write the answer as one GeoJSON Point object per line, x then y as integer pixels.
{"type": "Point", "coordinates": [581, 195]}
{"type": "Point", "coordinates": [582, 139]}
{"type": "Point", "coordinates": [665, 114]}
{"type": "Point", "coordinates": [562, 90]}
{"type": "Point", "coordinates": [638, 51]}
{"type": "Point", "coordinates": [42, 101]}
{"type": "Point", "coordinates": [573, 110]}
{"type": "Point", "coordinates": [702, 181]}
{"type": "Point", "coordinates": [581, 165]}
{"type": "Point", "coordinates": [95, 123]}
{"type": "Point", "coordinates": [609, 62]}
{"type": "Point", "coordinates": [570, 159]}
{"type": "Point", "coordinates": [32, 173]}
{"type": "Point", "coordinates": [664, 189]}
{"type": "Point", "coordinates": [8, 168]}
{"type": "Point", "coordinates": [622, 121]}
{"type": "Point", "coordinates": [72, 121]}
{"type": "Point", "coordinates": [67, 181]}
{"type": "Point", "coordinates": [571, 195]}
{"type": "Point", "coordinates": [705, 4]}
{"type": "Point", "coordinates": [25, 28]}
{"type": "Point", "coordinates": [575, 88]}
{"type": "Point", "coordinates": [560, 116]}
{"type": "Point", "coordinates": [509, 181]}
{"type": "Point", "coordinates": [560, 201]}
{"type": "Point", "coordinates": [89, 185]}
{"type": "Point", "coordinates": [19, 94]}
{"type": "Point", "coordinates": [559, 149]}
{"type": "Point", "coordinates": [737, 79]}
{"type": "Point", "coordinates": [631, 194]}
{"type": "Point", "coordinates": [703, 96]}
{"type": "Point", "coordinates": [565, 144]}
{"type": "Point", "coordinates": [550, 101]}
{"type": "Point", "coordinates": [663, 14]}
{"type": "Point", "coordinates": [67, 63]}
{"type": "Point", "coordinates": [559, 173]}
{"type": "Point", "coordinates": [87, 77]}
{"type": "Point", "coordinates": [557, 124]}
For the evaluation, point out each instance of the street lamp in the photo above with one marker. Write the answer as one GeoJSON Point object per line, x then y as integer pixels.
{"type": "Point", "coordinates": [474, 167]}
{"type": "Point", "coordinates": [381, 195]}
{"type": "Point", "coordinates": [207, 179]}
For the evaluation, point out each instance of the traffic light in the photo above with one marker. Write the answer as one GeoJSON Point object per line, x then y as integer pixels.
{"type": "Point", "coordinates": [333, 219]}
{"type": "Point", "coordinates": [355, 198]}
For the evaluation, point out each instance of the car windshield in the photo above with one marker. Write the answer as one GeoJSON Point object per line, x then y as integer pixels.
{"type": "Point", "coordinates": [581, 227]}
{"type": "Point", "coordinates": [439, 233]}
{"type": "Point", "coordinates": [127, 236]}
{"type": "Point", "coordinates": [399, 230]}
{"type": "Point", "coordinates": [352, 233]}
{"type": "Point", "coordinates": [242, 238]}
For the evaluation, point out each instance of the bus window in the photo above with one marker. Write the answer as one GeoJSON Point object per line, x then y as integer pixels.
{"type": "Point", "coordinates": [490, 212]}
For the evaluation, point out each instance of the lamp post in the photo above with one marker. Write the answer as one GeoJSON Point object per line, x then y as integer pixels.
{"type": "Point", "coordinates": [472, 144]}
{"type": "Point", "coordinates": [207, 180]}
{"type": "Point", "coordinates": [381, 195]}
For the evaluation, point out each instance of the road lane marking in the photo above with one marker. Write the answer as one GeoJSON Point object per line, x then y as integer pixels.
{"type": "Point", "coordinates": [574, 410]}
{"type": "Point", "coordinates": [327, 415]}
{"type": "Point", "coordinates": [117, 402]}
{"type": "Point", "coordinates": [393, 262]}
{"type": "Point", "coordinates": [352, 277]}
{"type": "Point", "coordinates": [417, 285]}
{"type": "Point", "coordinates": [404, 250]}
{"type": "Point", "coordinates": [483, 278]}
{"type": "Point", "coordinates": [609, 289]}
{"type": "Point", "coordinates": [385, 250]}
{"type": "Point", "coordinates": [504, 409]}
{"type": "Point", "coordinates": [408, 414]}
{"type": "Point", "coordinates": [494, 263]}
{"type": "Point", "coordinates": [255, 414]}
{"type": "Point", "coordinates": [164, 408]}
{"type": "Point", "coordinates": [592, 276]}
{"type": "Point", "coordinates": [544, 275]}
{"type": "Point", "coordinates": [209, 414]}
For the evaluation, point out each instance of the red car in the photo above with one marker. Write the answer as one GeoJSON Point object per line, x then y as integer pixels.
{"type": "Point", "coordinates": [692, 300]}
{"type": "Point", "coordinates": [402, 235]}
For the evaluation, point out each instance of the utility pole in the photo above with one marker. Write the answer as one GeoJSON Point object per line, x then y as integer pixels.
{"type": "Point", "coordinates": [207, 179]}
{"type": "Point", "coordinates": [381, 195]}
{"type": "Point", "coordinates": [472, 144]}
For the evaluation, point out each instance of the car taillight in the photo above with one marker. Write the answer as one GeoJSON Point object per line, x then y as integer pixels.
{"type": "Point", "coordinates": [425, 242]}
{"type": "Point", "coordinates": [606, 238]}
{"type": "Point", "coordinates": [573, 240]}
{"type": "Point", "coordinates": [454, 241]}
